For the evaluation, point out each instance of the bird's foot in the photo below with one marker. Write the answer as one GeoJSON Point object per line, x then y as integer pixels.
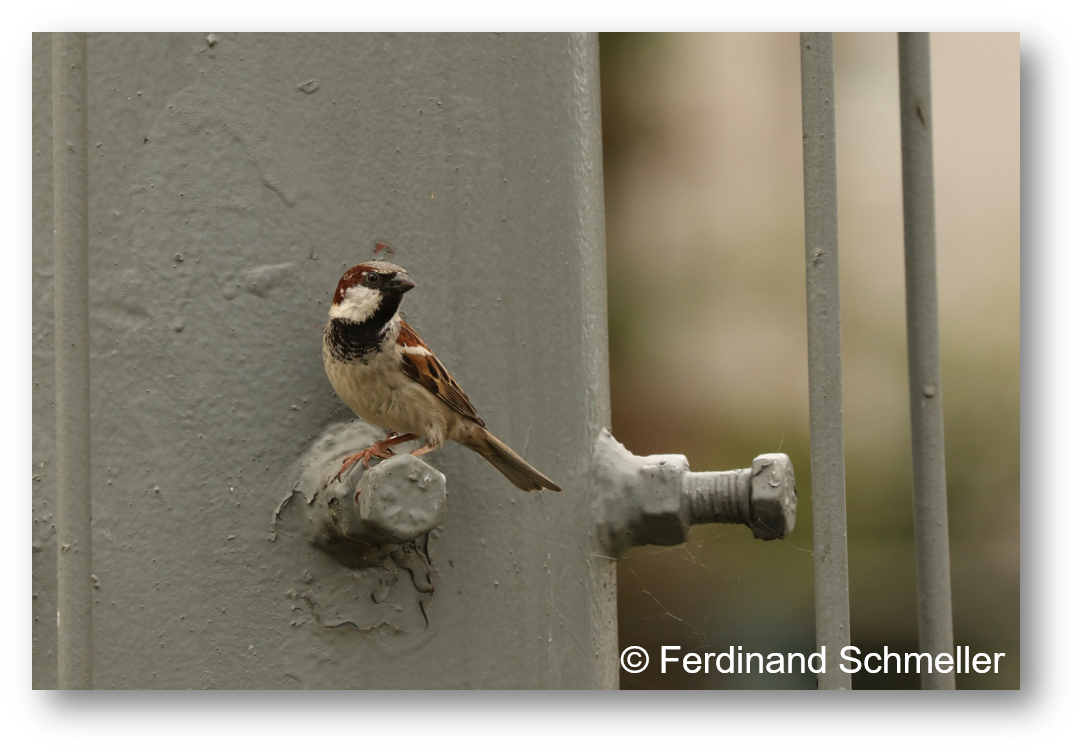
{"type": "Point", "coordinates": [364, 457]}
{"type": "Point", "coordinates": [381, 450]}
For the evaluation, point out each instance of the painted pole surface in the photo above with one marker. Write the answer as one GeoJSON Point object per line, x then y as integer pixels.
{"type": "Point", "coordinates": [233, 178]}
{"type": "Point", "coordinates": [71, 340]}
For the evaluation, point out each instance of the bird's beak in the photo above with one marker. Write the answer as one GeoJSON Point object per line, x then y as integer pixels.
{"type": "Point", "coordinates": [400, 282]}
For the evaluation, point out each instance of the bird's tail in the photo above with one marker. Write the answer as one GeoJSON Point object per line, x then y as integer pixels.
{"type": "Point", "coordinates": [508, 462]}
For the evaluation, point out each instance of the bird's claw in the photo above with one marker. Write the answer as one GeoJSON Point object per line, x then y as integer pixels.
{"type": "Point", "coordinates": [378, 450]}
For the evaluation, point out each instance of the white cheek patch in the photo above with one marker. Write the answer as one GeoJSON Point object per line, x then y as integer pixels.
{"type": "Point", "coordinates": [359, 303]}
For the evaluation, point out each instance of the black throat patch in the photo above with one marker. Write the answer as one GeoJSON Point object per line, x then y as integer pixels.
{"type": "Point", "coordinates": [349, 340]}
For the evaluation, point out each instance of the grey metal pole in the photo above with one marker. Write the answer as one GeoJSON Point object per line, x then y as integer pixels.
{"type": "Point", "coordinates": [504, 236]}
{"type": "Point", "coordinates": [72, 346]}
{"type": "Point", "coordinates": [823, 347]}
{"type": "Point", "coordinates": [924, 371]}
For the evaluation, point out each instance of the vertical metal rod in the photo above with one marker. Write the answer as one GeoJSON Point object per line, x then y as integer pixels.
{"type": "Point", "coordinates": [823, 353]}
{"type": "Point", "coordinates": [924, 371]}
{"type": "Point", "coordinates": [72, 346]}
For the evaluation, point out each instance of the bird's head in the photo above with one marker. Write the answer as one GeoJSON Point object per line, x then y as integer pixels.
{"type": "Point", "coordinates": [371, 289]}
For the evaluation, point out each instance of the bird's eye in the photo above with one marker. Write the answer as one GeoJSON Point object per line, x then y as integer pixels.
{"type": "Point", "coordinates": [371, 277]}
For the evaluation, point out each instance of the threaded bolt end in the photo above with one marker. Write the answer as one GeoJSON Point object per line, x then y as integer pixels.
{"type": "Point", "coordinates": [722, 497]}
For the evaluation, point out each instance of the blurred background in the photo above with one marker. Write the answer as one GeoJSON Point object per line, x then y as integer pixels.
{"type": "Point", "coordinates": [705, 258]}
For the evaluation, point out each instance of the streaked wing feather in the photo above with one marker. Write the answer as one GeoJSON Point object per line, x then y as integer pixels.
{"type": "Point", "coordinates": [427, 370]}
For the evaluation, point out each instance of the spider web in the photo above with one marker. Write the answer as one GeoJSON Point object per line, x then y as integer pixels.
{"type": "Point", "coordinates": [722, 589]}
{"type": "Point", "coordinates": [716, 592]}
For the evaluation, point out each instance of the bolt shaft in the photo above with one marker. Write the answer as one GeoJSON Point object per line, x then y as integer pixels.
{"type": "Point", "coordinates": [722, 497]}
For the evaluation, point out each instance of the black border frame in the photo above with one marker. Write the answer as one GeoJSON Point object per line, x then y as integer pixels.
{"type": "Point", "coordinates": [378, 715]}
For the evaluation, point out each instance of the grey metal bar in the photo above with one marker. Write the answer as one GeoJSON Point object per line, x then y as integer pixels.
{"type": "Point", "coordinates": [823, 353]}
{"type": "Point", "coordinates": [924, 371]}
{"type": "Point", "coordinates": [72, 346]}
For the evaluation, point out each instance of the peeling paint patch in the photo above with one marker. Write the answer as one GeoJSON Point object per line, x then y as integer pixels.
{"type": "Point", "coordinates": [414, 560]}
{"type": "Point", "coordinates": [314, 608]}
{"type": "Point", "coordinates": [367, 592]}
{"type": "Point", "coordinates": [278, 514]}
{"type": "Point", "coordinates": [384, 586]}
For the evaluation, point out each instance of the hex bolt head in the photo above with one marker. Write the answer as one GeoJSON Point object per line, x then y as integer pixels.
{"type": "Point", "coordinates": [662, 519]}
{"type": "Point", "coordinates": [400, 499]}
{"type": "Point", "coordinates": [637, 499]}
{"type": "Point", "coordinates": [773, 498]}
{"type": "Point", "coordinates": [349, 515]}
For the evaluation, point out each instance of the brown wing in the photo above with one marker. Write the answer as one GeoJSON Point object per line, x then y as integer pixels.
{"type": "Point", "coordinates": [426, 369]}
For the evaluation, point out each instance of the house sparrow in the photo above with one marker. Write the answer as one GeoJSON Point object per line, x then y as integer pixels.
{"type": "Point", "coordinates": [385, 373]}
